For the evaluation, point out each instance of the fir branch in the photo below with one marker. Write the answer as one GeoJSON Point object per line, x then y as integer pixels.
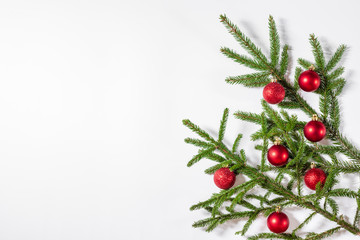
{"type": "Point", "coordinates": [217, 205]}
{"type": "Point", "coordinates": [333, 205]}
{"type": "Point", "coordinates": [273, 115]}
{"type": "Point", "coordinates": [306, 221]}
{"type": "Point", "coordinates": [342, 192]}
{"type": "Point", "coordinates": [198, 130]}
{"type": "Point", "coordinates": [289, 105]}
{"type": "Point", "coordinates": [304, 63]}
{"type": "Point", "coordinates": [249, 117]}
{"type": "Point", "coordinates": [222, 219]}
{"type": "Point", "coordinates": [325, 101]}
{"type": "Point", "coordinates": [335, 59]}
{"type": "Point", "coordinates": [259, 79]}
{"type": "Point", "coordinates": [346, 167]}
{"type": "Point", "coordinates": [337, 86]}
{"type": "Point", "coordinates": [323, 234]}
{"type": "Point", "coordinates": [245, 204]}
{"type": "Point", "coordinates": [298, 71]}
{"type": "Point", "coordinates": [203, 204]}
{"type": "Point", "coordinates": [336, 73]}
{"type": "Point", "coordinates": [198, 143]}
{"type": "Point", "coordinates": [330, 180]}
{"type": "Point", "coordinates": [265, 142]}
{"type": "Point", "coordinates": [284, 62]}
{"type": "Point", "coordinates": [243, 60]}
{"type": "Point", "coordinates": [335, 112]}
{"type": "Point", "coordinates": [246, 188]}
{"type": "Point", "coordinates": [236, 143]}
{"type": "Point", "coordinates": [249, 222]}
{"type": "Point", "coordinates": [348, 149]}
{"type": "Point", "coordinates": [274, 42]}
{"type": "Point", "coordinates": [357, 213]}
{"type": "Point", "coordinates": [273, 236]}
{"type": "Point", "coordinates": [262, 199]}
{"type": "Point", "coordinates": [317, 51]}
{"type": "Point", "coordinates": [223, 124]}
{"type": "Point", "coordinates": [328, 149]}
{"type": "Point", "coordinates": [215, 157]}
{"type": "Point", "coordinates": [273, 124]}
{"type": "Point", "coordinates": [244, 41]}
{"type": "Point", "coordinates": [299, 153]}
{"type": "Point", "coordinates": [213, 169]}
{"type": "Point", "coordinates": [201, 155]}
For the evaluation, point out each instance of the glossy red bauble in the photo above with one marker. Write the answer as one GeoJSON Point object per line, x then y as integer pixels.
{"type": "Point", "coordinates": [273, 93]}
{"type": "Point", "coordinates": [224, 178]}
{"type": "Point", "coordinates": [313, 176]}
{"type": "Point", "coordinates": [309, 81]}
{"type": "Point", "coordinates": [278, 155]}
{"type": "Point", "coordinates": [278, 222]}
{"type": "Point", "coordinates": [315, 131]}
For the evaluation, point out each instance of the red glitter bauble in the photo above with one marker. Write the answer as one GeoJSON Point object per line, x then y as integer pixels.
{"type": "Point", "coordinates": [313, 176]}
{"type": "Point", "coordinates": [314, 131]}
{"type": "Point", "coordinates": [278, 222]}
{"type": "Point", "coordinates": [309, 81]}
{"type": "Point", "coordinates": [277, 155]}
{"type": "Point", "coordinates": [273, 93]}
{"type": "Point", "coordinates": [224, 178]}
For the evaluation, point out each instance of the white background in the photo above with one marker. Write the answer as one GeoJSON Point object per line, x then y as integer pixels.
{"type": "Point", "coordinates": [92, 94]}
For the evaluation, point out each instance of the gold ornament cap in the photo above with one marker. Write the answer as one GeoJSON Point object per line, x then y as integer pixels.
{"type": "Point", "coordinates": [315, 117]}
{"type": "Point", "coordinates": [278, 209]}
{"type": "Point", "coordinates": [313, 165]}
{"type": "Point", "coordinates": [312, 67]}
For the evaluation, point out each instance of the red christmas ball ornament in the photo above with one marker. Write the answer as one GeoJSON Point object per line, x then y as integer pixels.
{"type": "Point", "coordinates": [278, 222]}
{"type": "Point", "coordinates": [224, 178]}
{"type": "Point", "coordinates": [273, 93]}
{"type": "Point", "coordinates": [313, 176]}
{"type": "Point", "coordinates": [309, 80]}
{"type": "Point", "coordinates": [278, 155]}
{"type": "Point", "coordinates": [315, 130]}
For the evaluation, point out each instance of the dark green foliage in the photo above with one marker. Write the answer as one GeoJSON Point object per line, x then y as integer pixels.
{"type": "Point", "coordinates": [244, 41]}
{"type": "Point", "coordinates": [284, 60]}
{"type": "Point", "coordinates": [285, 189]}
{"type": "Point", "coordinates": [201, 155]}
{"type": "Point", "coordinates": [335, 59]}
{"type": "Point", "coordinates": [250, 220]}
{"type": "Point", "coordinates": [274, 42]}
{"type": "Point", "coordinates": [236, 143]}
{"type": "Point", "coordinates": [250, 117]}
{"type": "Point", "coordinates": [243, 60]}
{"type": "Point", "coordinates": [357, 213]}
{"type": "Point", "coordinates": [213, 169]}
{"type": "Point", "coordinates": [259, 79]}
{"type": "Point", "coordinates": [333, 205]}
{"type": "Point", "coordinates": [323, 234]}
{"type": "Point", "coordinates": [223, 124]}
{"type": "Point", "coordinates": [306, 221]}
{"type": "Point", "coordinates": [317, 51]}
{"type": "Point", "coordinates": [273, 236]}
{"type": "Point", "coordinates": [298, 71]}
{"type": "Point", "coordinates": [304, 63]}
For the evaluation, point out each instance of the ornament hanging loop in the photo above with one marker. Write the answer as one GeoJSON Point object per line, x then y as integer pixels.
{"type": "Point", "coordinates": [315, 117]}
{"type": "Point", "coordinates": [277, 141]}
{"type": "Point", "coordinates": [278, 209]}
{"type": "Point", "coordinates": [273, 80]}
{"type": "Point", "coordinates": [312, 67]}
{"type": "Point", "coordinates": [313, 165]}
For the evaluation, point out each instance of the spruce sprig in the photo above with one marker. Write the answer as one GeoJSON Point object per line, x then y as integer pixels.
{"type": "Point", "coordinates": [237, 201]}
